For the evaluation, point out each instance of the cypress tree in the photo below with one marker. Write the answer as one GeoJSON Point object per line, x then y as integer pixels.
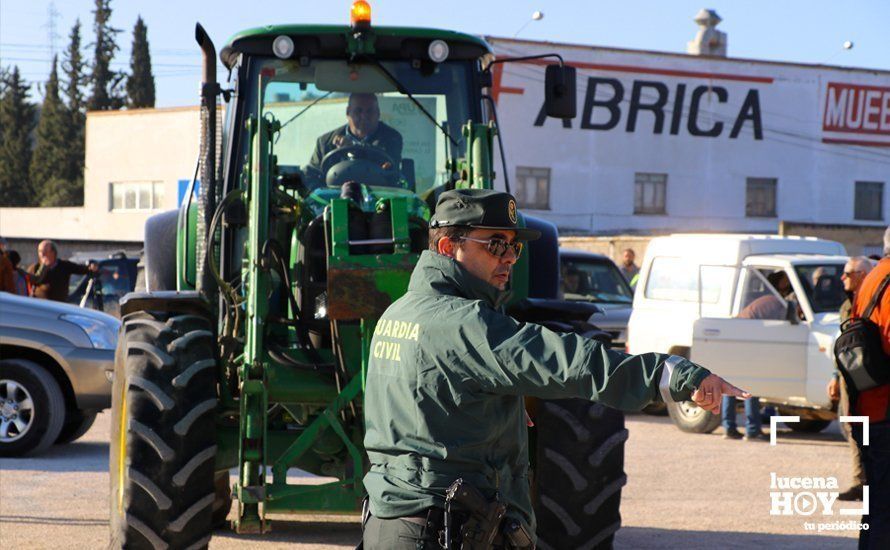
{"type": "Point", "coordinates": [16, 124]}
{"type": "Point", "coordinates": [141, 83]}
{"type": "Point", "coordinates": [50, 160]}
{"type": "Point", "coordinates": [74, 77]}
{"type": "Point", "coordinates": [105, 83]}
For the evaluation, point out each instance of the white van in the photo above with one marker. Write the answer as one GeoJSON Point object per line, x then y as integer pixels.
{"type": "Point", "coordinates": [696, 298]}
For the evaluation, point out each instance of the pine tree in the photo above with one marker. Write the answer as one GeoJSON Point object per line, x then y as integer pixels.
{"type": "Point", "coordinates": [141, 83]}
{"type": "Point", "coordinates": [50, 160]}
{"type": "Point", "coordinates": [105, 83]}
{"type": "Point", "coordinates": [74, 77]}
{"type": "Point", "coordinates": [16, 124]}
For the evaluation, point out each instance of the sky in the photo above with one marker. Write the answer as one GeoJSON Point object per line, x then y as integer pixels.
{"type": "Point", "coordinates": [811, 31]}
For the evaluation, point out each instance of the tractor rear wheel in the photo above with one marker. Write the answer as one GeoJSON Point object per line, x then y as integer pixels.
{"type": "Point", "coordinates": [579, 473]}
{"type": "Point", "coordinates": [163, 445]}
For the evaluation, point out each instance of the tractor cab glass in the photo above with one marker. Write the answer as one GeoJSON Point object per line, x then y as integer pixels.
{"type": "Point", "coordinates": [342, 122]}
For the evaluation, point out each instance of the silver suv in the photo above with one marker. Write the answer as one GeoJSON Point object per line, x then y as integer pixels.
{"type": "Point", "coordinates": [56, 365]}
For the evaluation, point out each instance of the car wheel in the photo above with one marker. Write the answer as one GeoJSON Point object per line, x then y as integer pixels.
{"type": "Point", "coordinates": [32, 408]}
{"type": "Point", "coordinates": [77, 423]}
{"type": "Point", "coordinates": [689, 417]}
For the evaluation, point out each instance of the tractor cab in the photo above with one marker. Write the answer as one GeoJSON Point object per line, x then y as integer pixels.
{"type": "Point", "coordinates": [378, 107]}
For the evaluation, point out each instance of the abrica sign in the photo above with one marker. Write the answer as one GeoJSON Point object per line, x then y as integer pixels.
{"type": "Point", "coordinates": [664, 106]}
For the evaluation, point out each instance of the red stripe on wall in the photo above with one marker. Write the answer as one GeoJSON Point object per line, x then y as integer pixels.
{"type": "Point", "coordinates": [648, 70]}
{"type": "Point", "coordinates": [857, 142]}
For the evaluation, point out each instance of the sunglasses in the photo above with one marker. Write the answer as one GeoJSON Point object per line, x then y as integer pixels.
{"type": "Point", "coordinates": [497, 246]}
{"type": "Point", "coordinates": [849, 273]}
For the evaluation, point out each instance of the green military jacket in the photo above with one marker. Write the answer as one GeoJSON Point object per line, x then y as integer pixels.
{"type": "Point", "coordinates": [445, 385]}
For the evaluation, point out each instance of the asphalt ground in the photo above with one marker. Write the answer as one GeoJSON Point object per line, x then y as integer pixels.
{"type": "Point", "coordinates": [684, 490]}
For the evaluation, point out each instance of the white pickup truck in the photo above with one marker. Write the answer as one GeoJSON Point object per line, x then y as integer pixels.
{"type": "Point", "coordinates": [693, 299]}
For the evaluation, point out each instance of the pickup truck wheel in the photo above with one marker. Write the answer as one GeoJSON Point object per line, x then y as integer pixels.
{"type": "Point", "coordinates": [579, 473]}
{"type": "Point", "coordinates": [77, 424]}
{"type": "Point", "coordinates": [32, 408]}
{"type": "Point", "coordinates": [689, 417]}
{"type": "Point", "coordinates": [163, 432]}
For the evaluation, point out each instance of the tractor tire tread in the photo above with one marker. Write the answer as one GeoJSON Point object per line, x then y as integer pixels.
{"type": "Point", "coordinates": [579, 474]}
{"type": "Point", "coordinates": [163, 495]}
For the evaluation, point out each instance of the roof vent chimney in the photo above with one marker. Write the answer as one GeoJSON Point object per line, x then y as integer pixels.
{"type": "Point", "coordinates": [708, 40]}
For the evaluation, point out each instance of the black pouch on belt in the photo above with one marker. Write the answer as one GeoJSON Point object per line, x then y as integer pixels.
{"type": "Point", "coordinates": [484, 517]}
{"type": "Point", "coordinates": [517, 535]}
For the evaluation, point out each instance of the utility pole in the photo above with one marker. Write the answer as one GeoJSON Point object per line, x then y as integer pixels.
{"type": "Point", "coordinates": [51, 35]}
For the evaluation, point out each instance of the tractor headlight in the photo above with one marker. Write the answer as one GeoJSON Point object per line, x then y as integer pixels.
{"type": "Point", "coordinates": [283, 46]}
{"type": "Point", "coordinates": [438, 51]}
{"type": "Point", "coordinates": [103, 335]}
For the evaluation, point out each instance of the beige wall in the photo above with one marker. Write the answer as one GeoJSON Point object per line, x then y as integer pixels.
{"type": "Point", "coordinates": [121, 146]}
{"type": "Point", "coordinates": [858, 240]}
{"type": "Point", "coordinates": [611, 246]}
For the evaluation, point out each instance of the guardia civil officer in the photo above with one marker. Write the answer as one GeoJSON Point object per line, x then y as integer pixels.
{"type": "Point", "coordinates": [448, 372]}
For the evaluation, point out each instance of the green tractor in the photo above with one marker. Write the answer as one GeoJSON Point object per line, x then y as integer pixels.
{"type": "Point", "coordinates": [248, 346]}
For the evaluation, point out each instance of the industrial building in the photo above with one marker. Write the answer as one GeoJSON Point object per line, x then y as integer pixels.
{"type": "Point", "coordinates": [663, 142]}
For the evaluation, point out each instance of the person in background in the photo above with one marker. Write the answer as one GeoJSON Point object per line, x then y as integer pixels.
{"type": "Point", "coordinates": [768, 306]}
{"type": "Point", "coordinates": [628, 268]}
{"type": "Point", "coordinates": [19, 275]}
{"type": "Point", "coordinates": [875, 404]}
{"type": "Point", "coordinates": [854, 273]}
{"type": "Point", "coordinates": [7, 283]}
{"type": "Point", "coordinates": [51, 276]}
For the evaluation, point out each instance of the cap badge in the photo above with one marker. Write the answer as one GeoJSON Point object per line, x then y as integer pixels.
{"type": "Point", "coordinates": [511, 211]}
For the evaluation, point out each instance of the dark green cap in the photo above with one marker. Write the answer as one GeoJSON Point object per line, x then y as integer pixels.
{"type": "Point", "coordinates": [480, 209]}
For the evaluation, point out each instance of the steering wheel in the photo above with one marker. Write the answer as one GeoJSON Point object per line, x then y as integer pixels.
{"type": "Point", "coordinates": [362, 163]}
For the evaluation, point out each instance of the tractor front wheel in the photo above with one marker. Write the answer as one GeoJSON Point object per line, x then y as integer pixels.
{"type": "Point", "coordinates": [163, 444]}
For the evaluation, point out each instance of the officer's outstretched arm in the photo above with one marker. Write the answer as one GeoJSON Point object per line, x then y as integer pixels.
{"type": "Point", "coordinates": [528, 359]}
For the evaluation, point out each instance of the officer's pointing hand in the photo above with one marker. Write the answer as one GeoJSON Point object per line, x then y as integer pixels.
{"type": "Point", "coordinates": [710, 393]}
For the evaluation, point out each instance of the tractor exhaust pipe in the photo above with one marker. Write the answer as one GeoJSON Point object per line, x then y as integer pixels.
{"type": "Point", "coordinates": [210, 89]}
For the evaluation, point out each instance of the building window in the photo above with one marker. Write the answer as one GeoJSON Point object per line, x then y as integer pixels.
{"type": "Point", "coordinates": [649, 193]}
{"type": "Point", "coordinates": [760, 197]}
{"type": "Point", "coordinates": [137, 195]}
{"type": "Point", "coordinates": [869, 200]}
{"type": "Point", "coordinates": [533, 188]}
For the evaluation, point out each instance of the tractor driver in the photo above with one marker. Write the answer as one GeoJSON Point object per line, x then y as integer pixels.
{"type": "Point", "coordinates": [448, 371]}
{"type": "Point", "coordinates": [362, 128]}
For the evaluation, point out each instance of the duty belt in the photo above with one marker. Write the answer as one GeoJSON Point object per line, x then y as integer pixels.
{"type": "Point", "coordinates": [433, 523]}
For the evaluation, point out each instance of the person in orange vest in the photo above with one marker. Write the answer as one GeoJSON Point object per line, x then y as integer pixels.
{"type": "Point", "coordinates": [875, 404]}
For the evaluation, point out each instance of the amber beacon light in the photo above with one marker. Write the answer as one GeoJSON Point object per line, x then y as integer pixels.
{"type": "Point", "coordinates": [360, 15]}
